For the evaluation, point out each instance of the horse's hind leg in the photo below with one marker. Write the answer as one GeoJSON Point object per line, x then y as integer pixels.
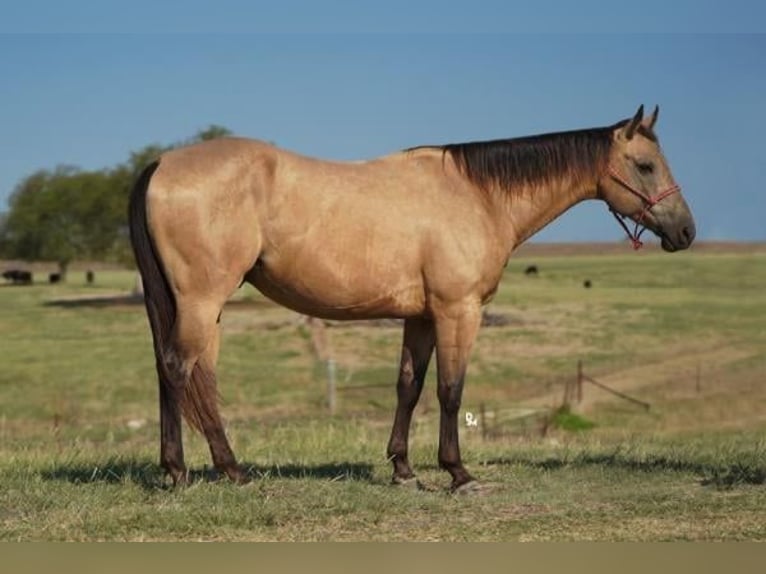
{"type": "Point", "coordinates": [192, 359]}
{"type": "Point", "coordinates": [171, 443]}
{"type": "Point", "coordinates": [220, 450]}
{"type": "Point", "coordinates": [417, 348]}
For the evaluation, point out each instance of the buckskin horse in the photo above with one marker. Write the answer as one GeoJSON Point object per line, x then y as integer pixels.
{"type": "Point", "coordinates": [423, 234]}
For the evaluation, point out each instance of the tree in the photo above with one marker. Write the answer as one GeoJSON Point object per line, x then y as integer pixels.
{"type": "Point", "coordinates": [212, 132]}
{"type": "Point", "coordinates": [61, 215]}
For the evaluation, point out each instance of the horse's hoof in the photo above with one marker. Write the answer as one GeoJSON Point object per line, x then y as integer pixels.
{"type": "Point", "coordinates": [179, 479]}
{"type": "Point", "coordinates": [412, 482]}
{"type": "Point", "coordinates": [238, 476]}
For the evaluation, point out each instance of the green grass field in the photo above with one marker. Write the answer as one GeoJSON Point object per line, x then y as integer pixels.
{"type": "Point", "coordinates": [685, 333]}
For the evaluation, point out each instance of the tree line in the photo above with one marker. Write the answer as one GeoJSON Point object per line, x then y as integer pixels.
{"type": "Point", "coordinates": [66, 213]}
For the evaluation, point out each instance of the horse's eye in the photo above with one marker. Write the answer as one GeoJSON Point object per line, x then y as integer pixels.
{"type": "Point", "coordinates": [644, 167]}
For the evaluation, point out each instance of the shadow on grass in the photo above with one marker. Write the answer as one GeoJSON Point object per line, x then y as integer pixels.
{"type": "Point", "coordinates": [150, 476]}
{"type": "Point", "coordinates": [96, 301]}
{"type": "Point", "coordinates": [716, 475]}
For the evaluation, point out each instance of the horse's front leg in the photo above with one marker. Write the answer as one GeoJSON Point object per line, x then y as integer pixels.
{"type": "Point", "coordinates": [417, 348]}
{"type": "Point", "coordinates": [456, 329]}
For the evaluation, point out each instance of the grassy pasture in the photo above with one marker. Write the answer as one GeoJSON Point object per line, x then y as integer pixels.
{"type": "Point", "coordinates": [685, 333]}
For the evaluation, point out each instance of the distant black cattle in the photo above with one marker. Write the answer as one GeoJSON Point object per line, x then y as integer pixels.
{"type": "Point", "coordinates": [18, 276]}
{"type": "Point", "coordinates": [90, 277]}
{"type": "Point", "coordinates": [586, 284]}
{"type": "Point", "coordinates": [531, 270]}
{"type": "Point", "coordinates": [54, 278]}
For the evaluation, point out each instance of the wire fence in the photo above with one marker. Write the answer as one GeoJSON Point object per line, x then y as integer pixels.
{"type": "Point", "coordinates": [492, 422]}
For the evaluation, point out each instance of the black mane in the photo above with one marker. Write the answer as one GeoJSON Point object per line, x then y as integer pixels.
{"type": "Point", "coordinates": [530, 160]}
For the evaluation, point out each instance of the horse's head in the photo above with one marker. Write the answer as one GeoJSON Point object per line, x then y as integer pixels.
{"type": "Point", "coordinates": [638, 184]}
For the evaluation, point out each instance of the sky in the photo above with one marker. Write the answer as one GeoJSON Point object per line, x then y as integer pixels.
{"type": "Point", "coordinates": [82, 85]}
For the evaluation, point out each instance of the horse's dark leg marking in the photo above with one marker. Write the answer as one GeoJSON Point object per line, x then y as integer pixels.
{"type": "Point", "coordinates": [456, 330]}
{"type": "Point", "coordinates": [417, 349]}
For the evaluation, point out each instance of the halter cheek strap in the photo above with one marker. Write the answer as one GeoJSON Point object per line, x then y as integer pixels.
{"type": "Point", "coordinates": [649, 202]}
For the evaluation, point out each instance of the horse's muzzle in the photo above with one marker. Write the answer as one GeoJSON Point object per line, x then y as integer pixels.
{"type": "Point", "coordinates": [679, 236]}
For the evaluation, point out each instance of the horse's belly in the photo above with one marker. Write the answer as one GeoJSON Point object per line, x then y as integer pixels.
{"type": "Point", "coordinates": [335, 298]}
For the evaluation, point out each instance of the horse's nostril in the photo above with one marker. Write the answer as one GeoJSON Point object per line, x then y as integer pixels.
{"type": "Point", "coordinates": [687, 233]}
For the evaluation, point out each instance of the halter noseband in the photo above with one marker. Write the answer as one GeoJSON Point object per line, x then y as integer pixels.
{"type": "Point", "coordinates": [649, 202]}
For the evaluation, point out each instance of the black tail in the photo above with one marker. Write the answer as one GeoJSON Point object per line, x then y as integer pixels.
{"type": "Point", "coordinates": [160, 305]}
{"type": "Point", "coordinates": [199, 399]}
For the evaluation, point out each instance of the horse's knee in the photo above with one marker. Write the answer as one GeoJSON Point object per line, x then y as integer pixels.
{"type": "Point", "coordinates": [407, 388]}
{"type": "Point", "coordinates": [450, 396]}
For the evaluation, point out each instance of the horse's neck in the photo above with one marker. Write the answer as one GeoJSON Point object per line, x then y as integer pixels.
{"type": "Point", "coordinates": [527, 212]}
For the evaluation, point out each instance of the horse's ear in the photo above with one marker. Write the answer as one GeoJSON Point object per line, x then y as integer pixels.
{"type": "Point", "coordinates": [632, 125]}
{"type": "Point", "coordinates": [653, 118]}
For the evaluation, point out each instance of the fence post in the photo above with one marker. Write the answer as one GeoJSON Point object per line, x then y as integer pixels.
{"type": "Point", "coordinates": [579, 381]}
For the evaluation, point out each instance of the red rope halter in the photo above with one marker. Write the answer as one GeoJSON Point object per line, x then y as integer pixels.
{"type": "Point", "coordinates": [649, 202]}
